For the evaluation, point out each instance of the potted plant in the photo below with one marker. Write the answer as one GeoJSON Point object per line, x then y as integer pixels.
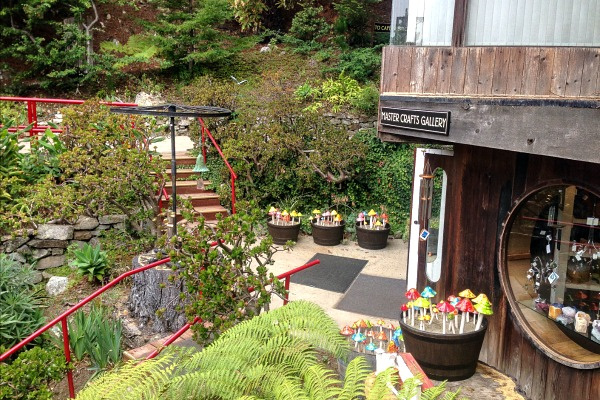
{"type": "Point", "coordinates": [283, 226]}
{"type": "Point", "coordinates": [445, 337]}
{"type": "Point", "coordinates": [372, 230]}
{"type": "Point", "coordinates": [327, 227]}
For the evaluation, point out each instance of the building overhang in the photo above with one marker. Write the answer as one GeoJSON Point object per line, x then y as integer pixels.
{"type": "Point", "coordinates": [555, 127]}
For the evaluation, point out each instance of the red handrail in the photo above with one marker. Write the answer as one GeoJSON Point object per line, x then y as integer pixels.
{"type": "Point", "coordinates": [183, 329]}
{"type": "Point", "coordinates": [204, 130]}
{"type": "Point", "coordinates": [32, 116]}
{"type": "Point", "coordinates": [62, 318]}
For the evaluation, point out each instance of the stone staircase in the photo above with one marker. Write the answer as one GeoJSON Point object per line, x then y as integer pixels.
{"type": "Point", "coordinates": [204, 201]}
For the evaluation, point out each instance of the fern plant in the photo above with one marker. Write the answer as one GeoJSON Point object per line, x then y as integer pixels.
{"type": "Point", "coordinates": [274, 355]}
{"type": "Point", "coordinates": [90, 261]}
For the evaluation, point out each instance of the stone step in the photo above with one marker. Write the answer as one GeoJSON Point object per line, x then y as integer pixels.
{"type": "Point", "coordinates": [141, 353]}
{"type": "Point", "coordinates": [182, 173]}
{"type": "Point", "coordinates": [187, 187]}
{"type": "Point", "coordinates": [181, 158]}
{"type": "Point", "coordinates": [201, 199]}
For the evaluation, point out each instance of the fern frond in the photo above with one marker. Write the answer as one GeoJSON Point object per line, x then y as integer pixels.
{"type": "Point", "coordinates": [134, 380]}
{"type": "Point", "coordinates": [356, 373]}
{"type": "Point", "coordinates": [321, 383]}
{"type": "Point", "coordinates": [434, 392]}
{"type": "Point", "coordinates": [382, 384]}
{"type": "Point", "coordinates": [410, 388]}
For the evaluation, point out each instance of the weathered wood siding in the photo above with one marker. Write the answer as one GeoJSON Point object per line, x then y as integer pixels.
{"type": "Point", "coordinates": [563, 72]}
{"type": "Point", "coordinates": [483, 184]}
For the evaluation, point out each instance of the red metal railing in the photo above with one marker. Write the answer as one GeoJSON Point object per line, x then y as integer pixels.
{"type": "Point", "coordinates": [205, 132]}
{"type": "Point", "coordinates": [62, 318]}
{"type": "Point", "coordinates": [32, 116]}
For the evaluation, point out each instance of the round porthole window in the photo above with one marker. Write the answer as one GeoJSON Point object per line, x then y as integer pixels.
{"type": "Point", "coordinates": [551, 272]}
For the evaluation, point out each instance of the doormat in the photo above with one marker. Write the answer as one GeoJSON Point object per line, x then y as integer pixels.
{"type": "Point", "coordinates": [334, 273]}
{"type": "Point", "coordinates": [374, 295]}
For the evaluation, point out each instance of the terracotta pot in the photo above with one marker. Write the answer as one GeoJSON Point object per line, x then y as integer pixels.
{"type": "Point", "coordinates": [282, 233]}
{"type": "Point", "coordinates": [372, 239]}
{"type": "Point", "coordinates": [328, 235]}
{"type": "Point", "coordinates": [451, 356]}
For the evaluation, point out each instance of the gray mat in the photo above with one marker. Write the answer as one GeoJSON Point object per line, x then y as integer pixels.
{"type": "Point", "coordinates": [376, 296]}
{"type": "Point", "coordinates": [334, 273]}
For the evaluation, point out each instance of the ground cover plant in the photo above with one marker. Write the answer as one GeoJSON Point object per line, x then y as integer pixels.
{"type": "Point", "coordinates": [20, 305]}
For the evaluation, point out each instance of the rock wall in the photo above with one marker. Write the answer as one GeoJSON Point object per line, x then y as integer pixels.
{"type": "Point", "coordinates": [46, 246]}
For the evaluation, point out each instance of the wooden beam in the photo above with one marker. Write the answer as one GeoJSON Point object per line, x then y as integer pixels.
{"type": "Point", "coordinates": [459, 23]}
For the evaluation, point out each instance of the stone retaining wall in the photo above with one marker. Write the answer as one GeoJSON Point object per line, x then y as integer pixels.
{"type": "Point", "coordinates": [46, 246]}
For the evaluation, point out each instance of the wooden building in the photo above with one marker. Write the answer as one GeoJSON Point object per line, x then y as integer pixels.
{"type": "Point", "coordinates": [509, 101]}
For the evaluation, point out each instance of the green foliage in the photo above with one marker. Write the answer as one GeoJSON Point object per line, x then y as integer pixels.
{"type": "Point", "coordinates": [308, 25]}
{"type": "Point", "coordinates": [275, 355]}
{"type": "Point", "coordinates": [20, 307]}
{"type": "Point", "coordinates": [90, 261]}
{"type": "Point", "coordinates": [362, 64]}
{"type": "Point", "coordinates": [56, 51]}
{"type": "Point", "coordinates": [385, 178]}
{"type": "Point", "coordinates": [338, 94]}
{"type": "Point", "coordinates": [185, 35]}
{"type": "Point", "coordinates": [10, 160]}
{"type": "Point", "coordinates": [121, 246]}
{"type": "Point", "coordinates": [42, 159]}
{"type": "Point", "coordinates": [225, 272]}
{"type": "Point", "coordinates": [351, 21]}
{"type": "Point", "coordinates": [96, 335]}
{"type": "Point", "coordinates": [28, 376]}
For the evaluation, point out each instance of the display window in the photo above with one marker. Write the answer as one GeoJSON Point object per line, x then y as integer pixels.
{"type": "Point", "coordinates": [551, 270]}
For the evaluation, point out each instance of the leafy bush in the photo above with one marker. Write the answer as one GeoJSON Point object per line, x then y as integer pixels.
{"type": "Point", "coordinates": [29, 375]}
{"type": "Point", "coordinates": [42, 159]}
{"type": "Point", "coordinates": [90, 261]}
{"type": "Point", "coordinates": [121, 246]}
{"type": "Point", "coordinates": [308, 25]}
{"type": "Point", "coordinates": [20, 307]}
{"type": "Point", "coordinates": [362, 64]}
{"type": "Point", "coordinates": [96, 335]}
{"type": "Point", "coordinates": [224, 273]}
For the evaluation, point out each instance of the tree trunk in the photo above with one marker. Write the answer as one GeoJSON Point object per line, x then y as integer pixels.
{"type": "Point", "coordinates": [154, 299]}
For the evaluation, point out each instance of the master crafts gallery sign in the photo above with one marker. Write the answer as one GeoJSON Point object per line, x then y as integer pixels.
{"type": "Point", "coordinates": [437, 122]}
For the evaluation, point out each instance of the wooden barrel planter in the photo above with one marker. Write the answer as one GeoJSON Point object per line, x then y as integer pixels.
{"type": "Point", "coordinates": [283, 233]}
{"type": "Point", "coordinates": [372, 239]}
{"type": "Point", "coordinates": [451, 356]}
{"type": "Point", "coordinates": [328, 235]}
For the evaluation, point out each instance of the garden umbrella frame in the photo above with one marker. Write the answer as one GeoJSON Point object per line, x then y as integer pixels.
{"type": "Point", "coordinates": [171, 111]}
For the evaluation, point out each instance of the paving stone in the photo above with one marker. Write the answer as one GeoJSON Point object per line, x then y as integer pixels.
{"type": "Point", "coordinates": [11, 244]}
{"type": "Point", "coordinates": [48, 243]}
{"type": "Point", "coordinates": [56, 285]}
{"type": "Point", "coordinates": [51, 262]}
{"type": "Point", "coordinates": [40, 253]}
{"type": "Point", "coordinates": [57, 232]}
{"type": "Point", "coordinates": [86, 224]}
{"type": "Point", "coordinates": [82, 235]}
{"type": "Point", "coordinates": [111, 219]}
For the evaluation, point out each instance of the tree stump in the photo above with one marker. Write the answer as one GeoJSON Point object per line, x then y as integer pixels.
{"type": "Point", "coordinates": [154, 299]}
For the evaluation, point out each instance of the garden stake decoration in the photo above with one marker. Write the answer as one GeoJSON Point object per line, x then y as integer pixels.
{"type": "Point", "coordinates": [427, 311]}
{"type": "Point", "coordinates": [412, 295]}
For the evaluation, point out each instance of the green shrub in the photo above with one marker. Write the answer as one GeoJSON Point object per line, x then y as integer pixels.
{"type": "Point", "coordinates": [361, 64]}
{"type": "Point", "coordinates": [96, 335]}
{"type": "Point", "coordinates": [29, 375]}
{"type": "Point", "coordinates": [42, 159]}
{"type": "Point", "coordinates": [20, 307]}
{"type": "Point", "coordinates": [308, 25]}
{"type": "Point", "coordinates": [90, 261]}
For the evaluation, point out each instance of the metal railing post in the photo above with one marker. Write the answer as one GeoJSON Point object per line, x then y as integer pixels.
{"type": "Point", "coordinates": [287, 290]}
{"type": "Point", "coordinates": [65, 333]}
